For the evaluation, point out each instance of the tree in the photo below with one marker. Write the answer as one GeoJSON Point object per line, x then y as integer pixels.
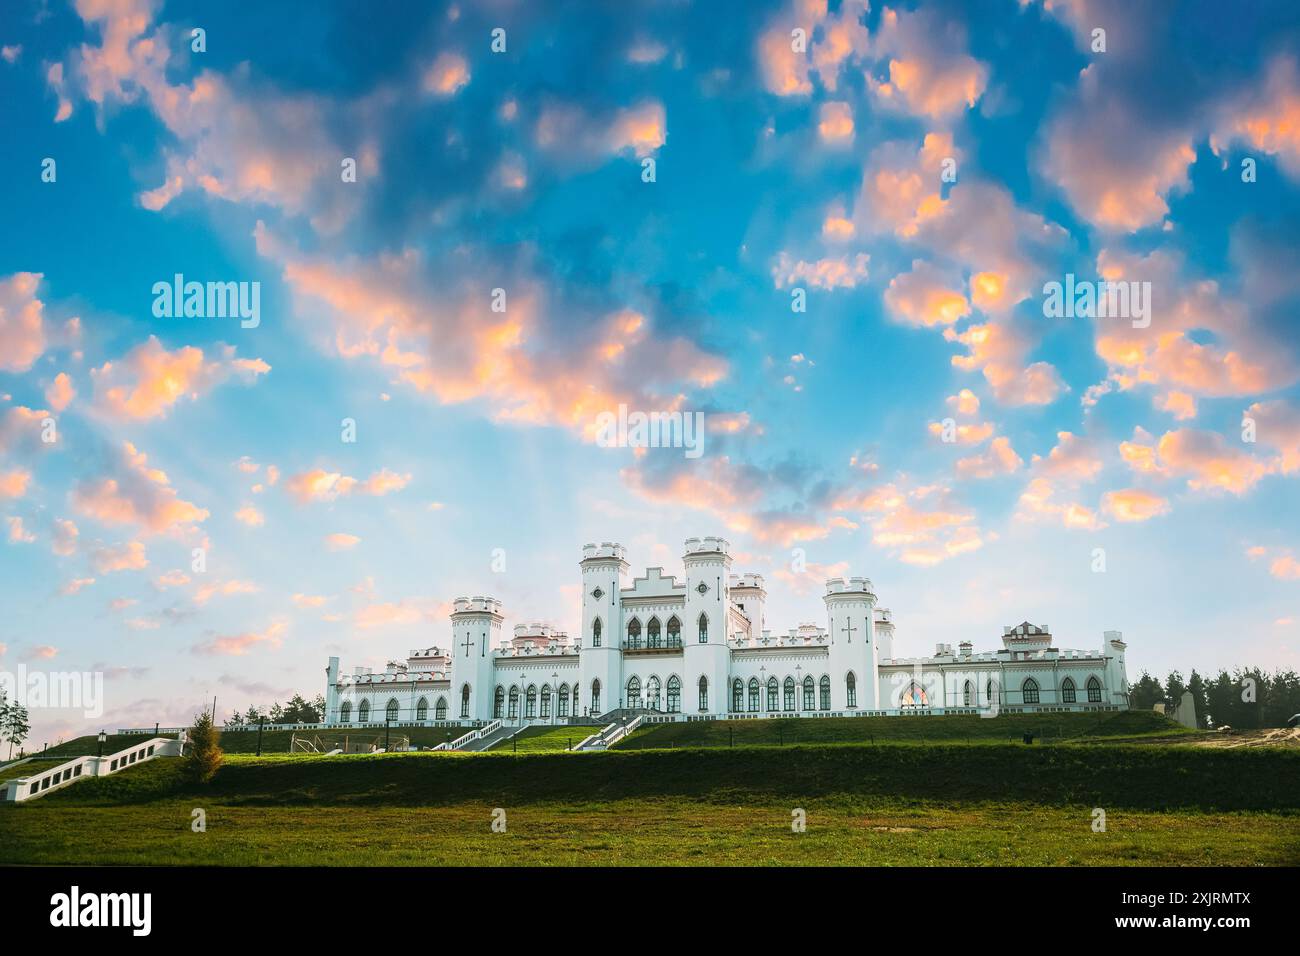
{"type": "Point", "coordinates": [1146, 693]}
{"type": "Point", "coordinates": [205, 754]}
{"type": "Point", "coordinates": [1196, 687]}
{"type": "Point", "coordinates": [15, 727]}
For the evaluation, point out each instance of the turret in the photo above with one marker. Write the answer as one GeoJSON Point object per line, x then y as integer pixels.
{"type": "Point", "coordinates": [706, 655]}
{"type": "Point", "coordinates": [475, 630]}
{"type": "Point", "coordinates": [749, 595]}
{"type": "Point", "coordinates": [850, 609]}
{"type": "Point", "coordinates": [600, 660]}
{"type": "Point", "coordinates": [1116, 671]}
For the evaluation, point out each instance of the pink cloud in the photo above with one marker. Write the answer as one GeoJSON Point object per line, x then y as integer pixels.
{"type": "Point", "coordinates": [22, 330]}
{"type": "Point", "coordinates": [149, 380]}
{"type": "Point", "coordinates": [132, 493]}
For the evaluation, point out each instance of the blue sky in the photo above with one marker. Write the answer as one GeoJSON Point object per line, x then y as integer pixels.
{"type": "Point", "coordinates": [778, 166]}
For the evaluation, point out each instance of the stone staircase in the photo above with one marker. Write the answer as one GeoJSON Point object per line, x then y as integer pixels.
{"type": "Point", "coordinates": [611, 735]}
{"type": "Point", "coordinates": [62, 775]}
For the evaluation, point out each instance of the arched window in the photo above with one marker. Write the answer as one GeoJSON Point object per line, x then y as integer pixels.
{"type": "Point", "coordinates": [789, 693]}
{"type": "Point", "coordinates": [1029, 691]}
{"type": "Point", "coordinates": [914, 696]}
{"type": "Point", "coordinates": [634, 633]}
{"type": "Point", "coordinates": [653, 637]}
{"type": "Point", "coordinates": [422, 710]}
{"type": "Point", "coordinates": [988, 692]}
{"type": "Point", "coordinates": [595, 633]}
{"type": "Point", "coordinates": [634, 692]}
{"type": "Point", "coordinates": [1067, 691]}
{"type": "Point", "coordinates": [674, 632]}
{"type": "Point", "coordinates": [652, 693]}
{"type": "Point", "coordinates": [966, 693]}
{"type": "Point", "coordinates": [674, 695]}
{"type": "Point", "coordinates": [753, 693]}
{"type": "Point", "coordinates": [440, 709]}
{"type": "Point", "coordinates": [704, 629]}
{"type": "Point", "coordinates": [809, 693]}
{"type": "Point", "coordinates": [530, 703]}
{"type": "Point", "coordinates": [1094, 690]}
{"type": "Point", "coordinates": [363, 712]}
{"type": "Point", "coordinates": [772, 691]}
{"type": "Point", "coordinates": [562, 710]}
{"type": "Point", "coordinates": [345, 713]}
{"type": "Point", "coordinates": [514, 703]}
{"type": "Point", "coordinates": [390, 712]}
{"type": "Point", "coordinates": [851, 689]}
{"type": "Point", "coordinates": [737, 695]}
{"type": "Point", "coordinates": [595, 697]}
{"type": "Point", "coordinates": [546, 700]}
{"type": "Point", "coordinates": [824, 685]}
{"type": "Point", "coordinates": [704, 694]}
{"type": "Point", "coordinates": [464, 702]}
{"type": "Point", "coordinates": [499, 703]}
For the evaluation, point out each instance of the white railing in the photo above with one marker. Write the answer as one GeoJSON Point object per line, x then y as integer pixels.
{"type": "Point", "coordinates": [78, 768]}
{"type": "Point", "coordinates": [610, 735]}
{"type": "Point", "coordinates": [471, 736]}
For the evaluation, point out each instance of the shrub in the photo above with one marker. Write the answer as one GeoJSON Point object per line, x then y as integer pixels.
{"type": "Point", "coordinates": [205, 754]}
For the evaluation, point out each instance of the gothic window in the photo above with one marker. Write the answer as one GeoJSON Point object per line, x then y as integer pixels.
{"type": "Point", "coordinates": [390, 712]}
{"type": "Point", "coordinates": [851, 686]}
{"type": "Point", "coordinates": [499, 703]}
{"type": "Point", "coordinates": [464, 702]}
{"type": "Point", "coordinates": [514, 703]}
{"type": "Point", "coordinates": [1029, 691]}
{"type": "Point", "coordinates": [530, 704]}
{"type": "Point", "coordinates": [563, 705]}
{"type": "Point", "coordinates": [674, 695]}
{"type": "Point", "coordinates": [1067, 691]}
{"type": "Point", "coordinates": [440, 710]}
{"type": "Point", "coordinates": [809, 693]}
{"type": "Point", "coordinates": [653, 638]}
{"type": "Point", "coordinates": [704, 629]}
{"type": "Point", "coordinates": [652, 693]}
{"type": "Point", "coordinates": [674, 632]}
{"type": "Point", "coordinates": [789, 693]}
{"type": "Point", "coordinates": [704, 693]}
{"type": "Point", "coordinates": [595, 697]}
{"type": "Point", "coordinates": [824, 687]}
{"type": "Point", "coordinates": [546, 700]}
{"type": "Point", "coordinates": [966, 694]}
{"type": "Point", "coordinates": [634, 633]}
{"type": "Point", "coordinates": [988, 692]}
{"type": "Point", "coordinates": [753, 693]}
{"type": "Point", "coordinates": [1094, 690]}
{"type": "Point", "coordinates": [595, 633]}
{"type": "Point", "coordinates": [914, 696]}
{"type": "Point", "coordinates": [422, 710]}
{"type": "Point", "coordinates": [737, 695]}
{"type": "Point", "coordinates": [363, 713]}
{"type": "Point", "coordinates": [345, 714]}
{"type": "Point", "coordinates": [634, 692]}
{"type": "Point", "coordinates": [772, 688]}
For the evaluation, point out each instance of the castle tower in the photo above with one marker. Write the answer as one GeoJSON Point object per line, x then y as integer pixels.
{"type": "Point", "coordinates": [850, 609]}
{"type": "Point", "coordinates": [475, 631]}
{"type": "Point", "coordinates": [600, 658]}
{"type": "Point", "coordinates": [704, 632]}
{"type": "Point", "coordinates": [1116, 673]}
{"type": "Point", "coordinates": [331, 714]}
{"type": "Point", "coordinates": [748, 593]}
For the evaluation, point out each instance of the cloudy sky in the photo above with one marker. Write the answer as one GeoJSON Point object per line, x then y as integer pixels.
{"type": "Point", "coordinates": [913, 175]}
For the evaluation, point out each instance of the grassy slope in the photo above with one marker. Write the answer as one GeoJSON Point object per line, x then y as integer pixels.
{"type": "Point", "coordinates": [273, 741]}
{"type": "Point", "coordinates": [538, 739]}
{"type": "Point", "coordinates": [1045, 728]}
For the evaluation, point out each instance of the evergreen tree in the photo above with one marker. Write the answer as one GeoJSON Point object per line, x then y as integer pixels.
{"type": "Point", "coordinates": [1146, 693]}
{"type": "Point", "coordinates": [16, 727]}
{"type": "Point", "coordinates": [205, 754]}
{"type": "Point", "coordinates": [1196, 686]}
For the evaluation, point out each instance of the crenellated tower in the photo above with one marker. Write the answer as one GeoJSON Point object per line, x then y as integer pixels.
{"type": "Point", "coordinates": [600, 659]}
{"type": "Point", "coordinates": [850, 609]}
{"type": "Point", "coordinates": [475, 631]}
{"type": "Point", "coordinates": [705, 651]}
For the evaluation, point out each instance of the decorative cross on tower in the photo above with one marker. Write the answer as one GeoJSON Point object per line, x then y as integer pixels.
{"type": "Point", "coordinates": [848, 630]}
{"type": "Point", "coordinates": [468, 644]}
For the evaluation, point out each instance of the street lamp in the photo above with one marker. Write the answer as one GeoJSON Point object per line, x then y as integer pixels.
{"type": "Point", "coordinates": [102, 737]}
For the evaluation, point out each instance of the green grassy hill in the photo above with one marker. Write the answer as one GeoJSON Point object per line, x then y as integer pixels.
{"type": "Point", "coordinates": [273, 741]}
{"type": "Point", "coordinates": [539, 739]}
{"type": "Point", "coordinates": [1046, 728]}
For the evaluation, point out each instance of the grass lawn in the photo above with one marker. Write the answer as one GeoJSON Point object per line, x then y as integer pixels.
{"type": "Point", "coordinates": [27, 769]}
{"type": "Point", "coordinates": [904, 803]}
{"type": "Point", "coordinates": [536, 739]}
{"type": "Point", "coordinates": [1046, 728]}
{"type": "Point", "coordinates": [273, 741]}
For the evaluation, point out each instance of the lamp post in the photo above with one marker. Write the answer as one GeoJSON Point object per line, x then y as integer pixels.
{"type": "Point", "coordinates": [102, 737]}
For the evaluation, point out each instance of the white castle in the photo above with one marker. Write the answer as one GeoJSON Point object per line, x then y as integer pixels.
{"type": "Point", "coordinates": [699, 649]}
